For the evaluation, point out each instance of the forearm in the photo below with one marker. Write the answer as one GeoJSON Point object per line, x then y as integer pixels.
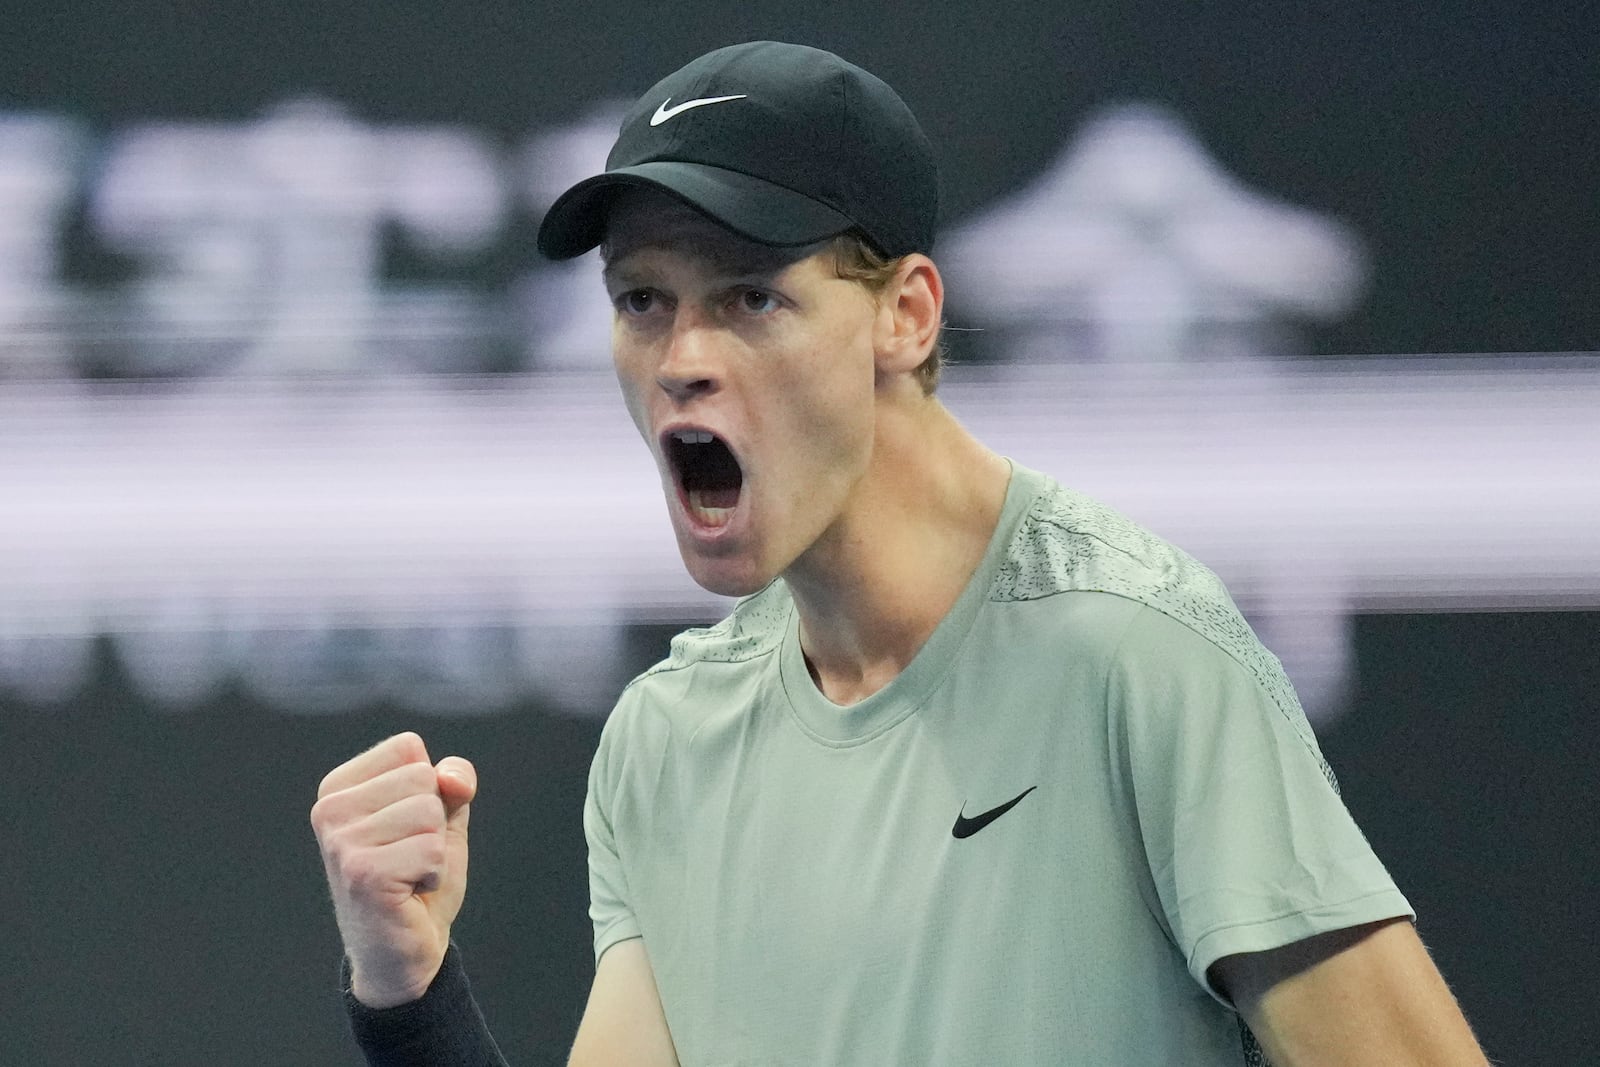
{"type": "Point", "coordinates": [443, 1028]}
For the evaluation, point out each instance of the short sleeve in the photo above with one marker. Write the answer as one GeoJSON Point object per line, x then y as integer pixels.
{"type": "Point", "coordinates": [1248, 843]}
{"type": "Point", "coordinates": [609, 904]}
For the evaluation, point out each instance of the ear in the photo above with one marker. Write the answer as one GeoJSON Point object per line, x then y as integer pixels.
{"type": "Point", "coordinates": [909, 313]}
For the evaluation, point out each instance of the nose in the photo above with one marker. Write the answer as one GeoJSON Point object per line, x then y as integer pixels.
{"type": "Point", "coordinates": [689, 366]}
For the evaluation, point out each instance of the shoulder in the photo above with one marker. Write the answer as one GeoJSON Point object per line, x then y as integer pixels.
{"type": "Point", "coordinates": [1069, 542]}
{"type": "Point", "coordinates": [752, 630]}
{"type": "Point", "coordinates": [704, 668]}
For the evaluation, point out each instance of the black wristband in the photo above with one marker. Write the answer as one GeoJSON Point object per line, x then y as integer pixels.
{"type": "Point", "coordinates": [442, 1028]}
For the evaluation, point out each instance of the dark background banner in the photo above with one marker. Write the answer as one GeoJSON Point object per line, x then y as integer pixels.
{"type": "Point", "coordinates": [1458, 138]}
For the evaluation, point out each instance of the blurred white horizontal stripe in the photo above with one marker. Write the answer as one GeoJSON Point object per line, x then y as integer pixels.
{"type": "Point", "coordinates": [1315, 489]}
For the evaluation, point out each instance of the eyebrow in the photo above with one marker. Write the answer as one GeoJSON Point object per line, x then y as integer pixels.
{"type": "Point", "coordinates": [619, 273]}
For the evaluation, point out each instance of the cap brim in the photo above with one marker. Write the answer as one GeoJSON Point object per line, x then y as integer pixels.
{"type": "Point", "coordinates": [751, 207]}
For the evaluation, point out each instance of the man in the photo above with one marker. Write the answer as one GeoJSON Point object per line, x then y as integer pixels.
{"type": "Point", "coordinates": [977, 771]}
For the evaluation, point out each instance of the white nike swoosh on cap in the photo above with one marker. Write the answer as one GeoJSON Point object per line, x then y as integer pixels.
{"type": "Point", "coordinates": [663, 113]}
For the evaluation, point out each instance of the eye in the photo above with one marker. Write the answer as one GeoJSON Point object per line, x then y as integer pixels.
{"type": "Point", "coordinates": [756, 301]}
{"type": "Point", "coordinates": [636, 301]}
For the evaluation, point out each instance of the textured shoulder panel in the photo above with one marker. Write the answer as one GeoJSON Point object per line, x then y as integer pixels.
{"type": "Point", "coordinates": [1071, 542]}
{"type": "Point", "coordinates": [754, 628]}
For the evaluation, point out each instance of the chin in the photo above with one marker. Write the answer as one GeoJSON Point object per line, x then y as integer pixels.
{"type": "Point", "coordinates": [725, 577]}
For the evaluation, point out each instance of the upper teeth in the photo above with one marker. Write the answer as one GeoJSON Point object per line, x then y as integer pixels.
{"type": "Point", "coordinates": [693, 437]}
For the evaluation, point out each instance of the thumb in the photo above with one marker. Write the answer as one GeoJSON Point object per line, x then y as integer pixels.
{"type": "Point", "coordinates": [458, 784]}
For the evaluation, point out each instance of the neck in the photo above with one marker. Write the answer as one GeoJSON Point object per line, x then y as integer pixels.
{"type": "Point", "coordinates": [873, 589]}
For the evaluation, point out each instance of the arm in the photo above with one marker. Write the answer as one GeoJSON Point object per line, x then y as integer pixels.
{"type": "Point", "coordinates": [623, 1023]}
{"type": "Point", "coordinates": [1368, 994]}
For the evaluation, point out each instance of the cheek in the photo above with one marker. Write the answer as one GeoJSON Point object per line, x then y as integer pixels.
{"type": "Point", "coordinates": [635, 381]}
{"type": "Point", "coordinates": [853, 374]}
{"type": "Point", "coordinates": [832, 402]}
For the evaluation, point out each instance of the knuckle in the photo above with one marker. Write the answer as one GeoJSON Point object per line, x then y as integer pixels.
{"type": "Point", "coordinates": [319, 815]}
{"type": "Point", "coordinates": [409, 743]}
{"type": "Point", "coordinates": [433, 851]}
{"type": "Point", "coordinates": [419, 778]}
{"type": "Point", "coordinates": [327, 816]}
{"type": "Point", "coordinates": [427, 809]}
{"type": "Point", "coordinates": [358, 871]}
{"type": "Point", "coordinates": [334, 810]}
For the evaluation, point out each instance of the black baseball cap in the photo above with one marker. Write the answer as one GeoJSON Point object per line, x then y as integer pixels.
{"type": "Point", "coordinates": [784, 144]}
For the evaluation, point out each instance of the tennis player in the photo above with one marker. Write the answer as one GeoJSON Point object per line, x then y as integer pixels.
{"type": "Point", "coordinates": [976, 772]}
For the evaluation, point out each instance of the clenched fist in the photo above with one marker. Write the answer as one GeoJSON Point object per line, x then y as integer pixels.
{"type": "Point", "coordinates": [393, 831]}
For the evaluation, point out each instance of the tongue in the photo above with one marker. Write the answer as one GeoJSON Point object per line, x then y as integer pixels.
{"type": "Point", "coordinates": [717, 498]}
{"type": "Point", "coordinates": [712, 507]}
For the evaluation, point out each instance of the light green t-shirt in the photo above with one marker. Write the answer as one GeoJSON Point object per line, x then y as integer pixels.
{"type": "Point", "coordinates": [818, 884]}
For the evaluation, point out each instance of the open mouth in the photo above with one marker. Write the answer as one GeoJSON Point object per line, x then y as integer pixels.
{"type": "Point", "coordinates": [707, 473]}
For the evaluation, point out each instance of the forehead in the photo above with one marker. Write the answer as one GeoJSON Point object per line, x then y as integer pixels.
{"type": "Point", "coordinates": [642, 218]}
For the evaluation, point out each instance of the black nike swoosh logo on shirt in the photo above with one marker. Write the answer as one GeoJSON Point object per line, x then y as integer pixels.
{"type": "Point", "coordinates": [966, 827]}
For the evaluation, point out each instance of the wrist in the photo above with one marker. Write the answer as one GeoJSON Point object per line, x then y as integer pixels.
{"type": "Point", "coordinates": [379, 995]}
{"type": "Point", "coordinates": [443, 1025]}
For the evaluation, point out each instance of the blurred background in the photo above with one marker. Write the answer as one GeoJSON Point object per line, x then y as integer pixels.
{"type": "Point", "coordinates": [302, 444]}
